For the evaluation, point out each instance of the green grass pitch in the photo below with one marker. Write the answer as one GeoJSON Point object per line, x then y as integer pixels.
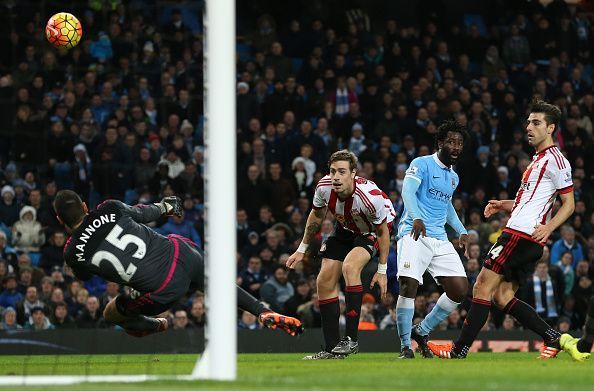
{"type": "Point", "coordinates": [366, 371]}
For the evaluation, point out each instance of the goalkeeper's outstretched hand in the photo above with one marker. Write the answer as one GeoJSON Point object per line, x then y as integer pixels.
{"type": "Point", "coordinates": [172, 206]}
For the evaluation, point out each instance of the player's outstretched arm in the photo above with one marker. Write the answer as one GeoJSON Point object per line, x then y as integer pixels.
{"type": "Point", "coordinates": [146, 213]}
{"type": "Point", "coordinates": [542, 232]}
{"type": "Point", "coordinates": [312, 227]}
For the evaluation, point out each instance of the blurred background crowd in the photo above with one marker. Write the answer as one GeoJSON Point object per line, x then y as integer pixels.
{"type": "Point", "coordinates": [121, 116]}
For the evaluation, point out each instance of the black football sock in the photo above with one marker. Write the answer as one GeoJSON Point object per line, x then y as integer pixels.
{"type": "Point", "coordinates": [353, 298]}
{"type": "Point", "coordinates": [585, 343]}
{"type": "Point", "coordinates": [529, 318]}
{"type": "Point", "coordinates": [330, 313]}
{"type": "Point", "coordinates": [249, 303]}
{"type": "Point", "coordinates": [140, 323]}
{"type": "Point", "coordinates": [474, 322]}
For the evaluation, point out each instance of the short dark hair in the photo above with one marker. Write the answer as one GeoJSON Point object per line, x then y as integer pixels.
{"type": "Point", "coordinates": [346, 156]}
{"type": "Point", "coordinates": [552, 113]}
{"type": "Point", "coordinates": [449, 126]}
{"type": "Point", "coordinates": [69, 207]}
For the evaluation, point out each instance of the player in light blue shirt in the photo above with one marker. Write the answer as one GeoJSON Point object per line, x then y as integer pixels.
{"type": "Point", "coordinates": [423, 245]}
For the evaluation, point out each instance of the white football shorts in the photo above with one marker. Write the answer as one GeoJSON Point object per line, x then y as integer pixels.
{"type": "Point", "coordinates": [438, 257]}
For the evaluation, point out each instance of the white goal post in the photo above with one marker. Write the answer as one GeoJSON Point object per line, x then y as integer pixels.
{"type": "Point", "coordinates": [219, 360]}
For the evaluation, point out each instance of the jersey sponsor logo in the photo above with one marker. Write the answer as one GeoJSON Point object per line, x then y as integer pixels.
{"type": "Point", "coordinates": [88, 232]}
{"type": "Point", "coordinates": [439, 195]}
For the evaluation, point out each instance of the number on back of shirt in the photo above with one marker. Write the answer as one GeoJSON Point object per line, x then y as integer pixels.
{"type": "Point", "coordinates": [121, 243]}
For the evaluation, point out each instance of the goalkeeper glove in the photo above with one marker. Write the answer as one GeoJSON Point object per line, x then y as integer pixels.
{"type": "Point", "coordinates": [171, 206]}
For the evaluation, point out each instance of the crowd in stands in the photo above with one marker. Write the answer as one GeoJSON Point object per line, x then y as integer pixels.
{"type": "Point", "coordinates": [121, 116]}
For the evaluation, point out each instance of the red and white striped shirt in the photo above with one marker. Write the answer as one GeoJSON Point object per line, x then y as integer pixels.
{"type": "Point", "coordinates": [367, 207]}
{"type": "Point", "coordinates": [548, 174]}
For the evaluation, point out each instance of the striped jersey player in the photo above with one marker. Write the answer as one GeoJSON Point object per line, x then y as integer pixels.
{"type": "Point", "coordinates": [548, 175]}
{"type": "Point", "coordinates": [520, 246]}
{"type": "Point", "coordinates": [362, 212]}
{"type": "Point", "coordinates": [364, 217]}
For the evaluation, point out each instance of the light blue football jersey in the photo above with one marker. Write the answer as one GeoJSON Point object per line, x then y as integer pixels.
{"type": "Point", "coordinates": [438, 183]}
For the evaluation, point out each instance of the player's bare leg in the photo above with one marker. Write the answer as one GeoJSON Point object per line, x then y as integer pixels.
{"type": "Point", "coordinates": [483, 290]}
{"type": "Point", "coordinates": [327, 283]}
{"type": "Point", "coordinates": [136, 325]}
{"type": "Point", "coordinates": [455, 289]}
{"type": "Point", "coordinates": [504, 298]}
{"type": "Point", "coordinates": [352, 266]}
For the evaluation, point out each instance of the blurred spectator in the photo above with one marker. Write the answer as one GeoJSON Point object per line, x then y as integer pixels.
{"type": "Point", "coordinates": [277, 289]}
{"type": "Point", "coordinates": [243, 227]}
{"type": "Point", "coordinates": [60, 318]}
{"type": "Point", "coordinates": [568, 311]}
{"type": "Point", "coordinates": [253, 191]}
{"type": "Point", "coordinates": [25, 307]}
{"type": "Point", "coordinates": [91, 316]}
{"type": "Point", "coordinates": [566, 266]}
{"type": "Point", "coordinates": [198, 313]}
{"type": "Point", "coordinates": [9, 320]}
{"type": "Point", "coordinates": [545, 295]}
{"type": "Point", "coordinates": [9, 209]}
{"type": "Point", "coordinates": [253, 276]}
{"type": "Point", "coordinates": [27, 235]}
{"type": "Point", "coordinates": [10, 296]}
{"type": "Point", "coordinates": [52, 253]}
{"type": "Point", "coordinates": [302, 295]}
{"type": "Point", "coordinates": [38, 321]}
{"type": "Point", "coordinates": [248, 321]}
{"type": "Point", "coordinates": [80, 302]}
{"type": "Point", "coordinates": [389, 321]}
{"type": "Point", "coordinates": [566, 243]}
{"type": "Point", "coordinates": [180, 321]}
{"type": "Point", "coordinates": [309, 313]}
{"type": "Point", "coordinates": [283, 192]}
